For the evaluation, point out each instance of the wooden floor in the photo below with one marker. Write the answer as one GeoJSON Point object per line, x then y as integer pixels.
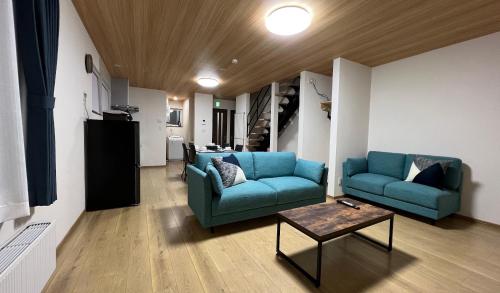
{"type": "Point", "coordinates": [160, 247]}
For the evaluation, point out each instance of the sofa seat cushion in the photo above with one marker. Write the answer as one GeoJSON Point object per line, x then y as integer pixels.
{"type": "Point", "coordinates": [418, 194]}
{"type": "Point", "coordinates": [373, 183]}
{"type": "Point", "coordinates": [242, 197]}
{"type": "Point", "coordinates": [292, 188]}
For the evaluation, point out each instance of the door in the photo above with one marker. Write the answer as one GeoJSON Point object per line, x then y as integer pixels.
{"type": "Point", "coordinates": [219, 127]}
{"type": "Point", "coordinates": [231, 129]}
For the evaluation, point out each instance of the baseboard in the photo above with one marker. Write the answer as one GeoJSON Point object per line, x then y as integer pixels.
{"type": "Point", "coordinates": [155, 166]}
{"type": "Point", "coordinates": [71, 231]}
{"type": "Point", "coordinates": [474, 220]}
{"type": "Point", "coordinates": [454, 215]}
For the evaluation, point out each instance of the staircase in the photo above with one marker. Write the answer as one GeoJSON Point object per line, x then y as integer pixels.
{"type": "Point", "coordinates": [289, 103]}
{"type": "Point", "coordinates": [259, 116]}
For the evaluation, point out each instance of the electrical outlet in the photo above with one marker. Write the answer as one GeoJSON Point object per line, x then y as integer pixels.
{"type": "Point", "coordinates": [339, 181]}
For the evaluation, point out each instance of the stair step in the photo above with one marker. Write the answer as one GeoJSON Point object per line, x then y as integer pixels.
{"type": "Point", "coordinates": [261, 126]}
{"type": "Point", "coordinates": [261, 131]}
{"type": "Point", "coordinates": [255, 135]}
{"type": "Point", "coordinates": [261, 138]}
{"type": "Point", "coordinates": [284, 101]}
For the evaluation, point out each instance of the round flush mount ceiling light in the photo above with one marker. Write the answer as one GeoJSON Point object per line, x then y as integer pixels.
{"type": "Point", "coordinates": [208, 82]}
{"type": "Point", "coordinates": [288, 20]}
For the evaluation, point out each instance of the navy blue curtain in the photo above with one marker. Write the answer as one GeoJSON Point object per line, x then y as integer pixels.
{"type": "Point", "coordinates": [37, 31]}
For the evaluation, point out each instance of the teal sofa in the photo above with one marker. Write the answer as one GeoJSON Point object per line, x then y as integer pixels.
{"type": "Point", "coordinates": [380, 178]}
{"type": "Point", "coordinates": [275, 181]}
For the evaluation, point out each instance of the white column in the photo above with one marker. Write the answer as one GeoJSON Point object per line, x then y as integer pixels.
{"type": "Point", "coordinates": [351, 85]}
{"type": "Point", "coordinates": [240, 119]}
{"type": "Point", "coordinates": [273, 133]}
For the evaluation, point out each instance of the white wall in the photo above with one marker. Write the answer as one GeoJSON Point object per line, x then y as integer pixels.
{"type": "Point", "coordinates": [350, 117]}
{"type": "Point", "coordinates": [203, 115]}
{"type": "Point", "coordinates": [313, 123]}
{"type": "Point", "coordinates": [445, 102]}
{"type": "Point", "coordinates": [225, 104]}
{"type": "Point", "coordinates": [69, 114]}
{"type": "Point", "coordinates": [152, 120]}
{"type": "Point", "coordinates": [288, 140]}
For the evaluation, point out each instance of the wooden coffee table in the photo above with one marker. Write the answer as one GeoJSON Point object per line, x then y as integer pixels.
{"type": "Point", "coordinates": [327, 221]}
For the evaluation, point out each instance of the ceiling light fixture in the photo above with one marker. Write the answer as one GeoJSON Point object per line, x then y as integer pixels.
{"type": "Point", "coordinates": [288, 20]}
{"type": "Point", "coordinates": [208, 82]}
{"type": "Point", "coordinates": [175, 98]}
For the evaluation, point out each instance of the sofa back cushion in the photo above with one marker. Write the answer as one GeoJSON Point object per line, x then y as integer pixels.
{"type": "Point", "coordinates": [453, 175]}
{"type": "Point", "coordinates": [245, 159]}
{"type": "Point", "coordinates": [388, 164]}
{"type": "Point", "coordinates": [273, 164]}
{"type": "Point", "coordinates": [309, 170]}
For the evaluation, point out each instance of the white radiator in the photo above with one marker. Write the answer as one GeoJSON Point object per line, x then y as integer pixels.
{"type": "Point", "coordinates": [28, 260]}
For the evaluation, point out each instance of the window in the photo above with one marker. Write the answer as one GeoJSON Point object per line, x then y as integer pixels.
{"type": "Point", "coordinates": [101, 94]}
{"type": "Point", "coordinates": [174, 117]}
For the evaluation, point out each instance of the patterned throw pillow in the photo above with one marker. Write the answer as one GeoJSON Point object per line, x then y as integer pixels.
{"type": "Point", "coordinates": [230, 173]}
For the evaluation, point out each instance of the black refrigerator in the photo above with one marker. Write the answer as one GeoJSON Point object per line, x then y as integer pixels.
{"type": "Point", "coordinates": [111, 164]}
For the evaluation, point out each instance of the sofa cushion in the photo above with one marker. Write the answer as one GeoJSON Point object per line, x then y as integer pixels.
{"type": "Point", "coordinates": [389, 164]}
{"type": "Point", "coordinates": [418, 194]}
{"type": "Point", "coordinates": [453, 175]}
{"type": "Point", "coordinates": [242, 197]}
{"type": "Point", "coordinates": [432, 176]}
{"type": "Point", "coordinates": [244, 158]}
{"type": "Point", "coordinates": [273, 164]}
{"type": "Point", "coordinates": [230, 174]}
{"type": "Point", "coordinates": [309, 170]}
{"type": "Point", "coordinates": [373, 183]}
{"type": "Point", "coordinates": [292, 188]}
{"type": "Point", "coordinates": [217, 185]}
{"type": "Point", "coordinates": [231, 159]}
{"type": "Point", "coordinates": [356, 165]}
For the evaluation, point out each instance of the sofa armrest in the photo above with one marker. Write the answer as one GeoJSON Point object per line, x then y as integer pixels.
{"type": "Point", "coordinates": [353, 166]}
{"type": "Point", "coordinates": [200, 194]}
{"type": "Point", "coordinates": [324, 177]}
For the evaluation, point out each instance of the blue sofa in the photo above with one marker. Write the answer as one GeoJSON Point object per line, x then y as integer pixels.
{"type": "Point", "coordinates": [275, 181]}
{"type": "Point", "coordinates": [380, 178]}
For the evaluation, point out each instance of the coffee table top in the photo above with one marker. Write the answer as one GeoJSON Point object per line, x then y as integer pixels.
{"type": "Point", "coordinates": [326, 221]}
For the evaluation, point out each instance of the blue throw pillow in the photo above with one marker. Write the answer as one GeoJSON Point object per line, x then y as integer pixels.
{"type": "Point", "coordinates": [309, 170]}
{"type": "Point", "coordinates": [432, 176]}
{"type": "Point", "coordinates": [231, 159]}
{"type": "Point", "coordinates": [215, 178]}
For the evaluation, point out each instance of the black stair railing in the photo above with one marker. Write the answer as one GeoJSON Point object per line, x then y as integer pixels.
{"type": "Point", "coordinates": [258, 107]}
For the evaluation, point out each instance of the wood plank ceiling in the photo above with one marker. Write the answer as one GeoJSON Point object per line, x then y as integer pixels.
{"type": "Point", "coordinates": [167, 44]}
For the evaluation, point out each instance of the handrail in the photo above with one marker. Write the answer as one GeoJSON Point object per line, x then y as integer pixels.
{"type": "Point", "coordinates": [255, 113]}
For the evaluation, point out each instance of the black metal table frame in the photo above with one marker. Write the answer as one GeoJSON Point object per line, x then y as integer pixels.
{"type": "Point", "coordinates": [317, 280]}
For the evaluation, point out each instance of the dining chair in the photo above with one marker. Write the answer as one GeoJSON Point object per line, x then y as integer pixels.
{"type": "Point", "coordinates": [192, 153]}
{"type": "Point", "coordinates": [186, 160]}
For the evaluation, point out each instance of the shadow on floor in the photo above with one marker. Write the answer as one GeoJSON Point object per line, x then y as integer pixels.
{"type": "Point", "coordinates": [350, 264]}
